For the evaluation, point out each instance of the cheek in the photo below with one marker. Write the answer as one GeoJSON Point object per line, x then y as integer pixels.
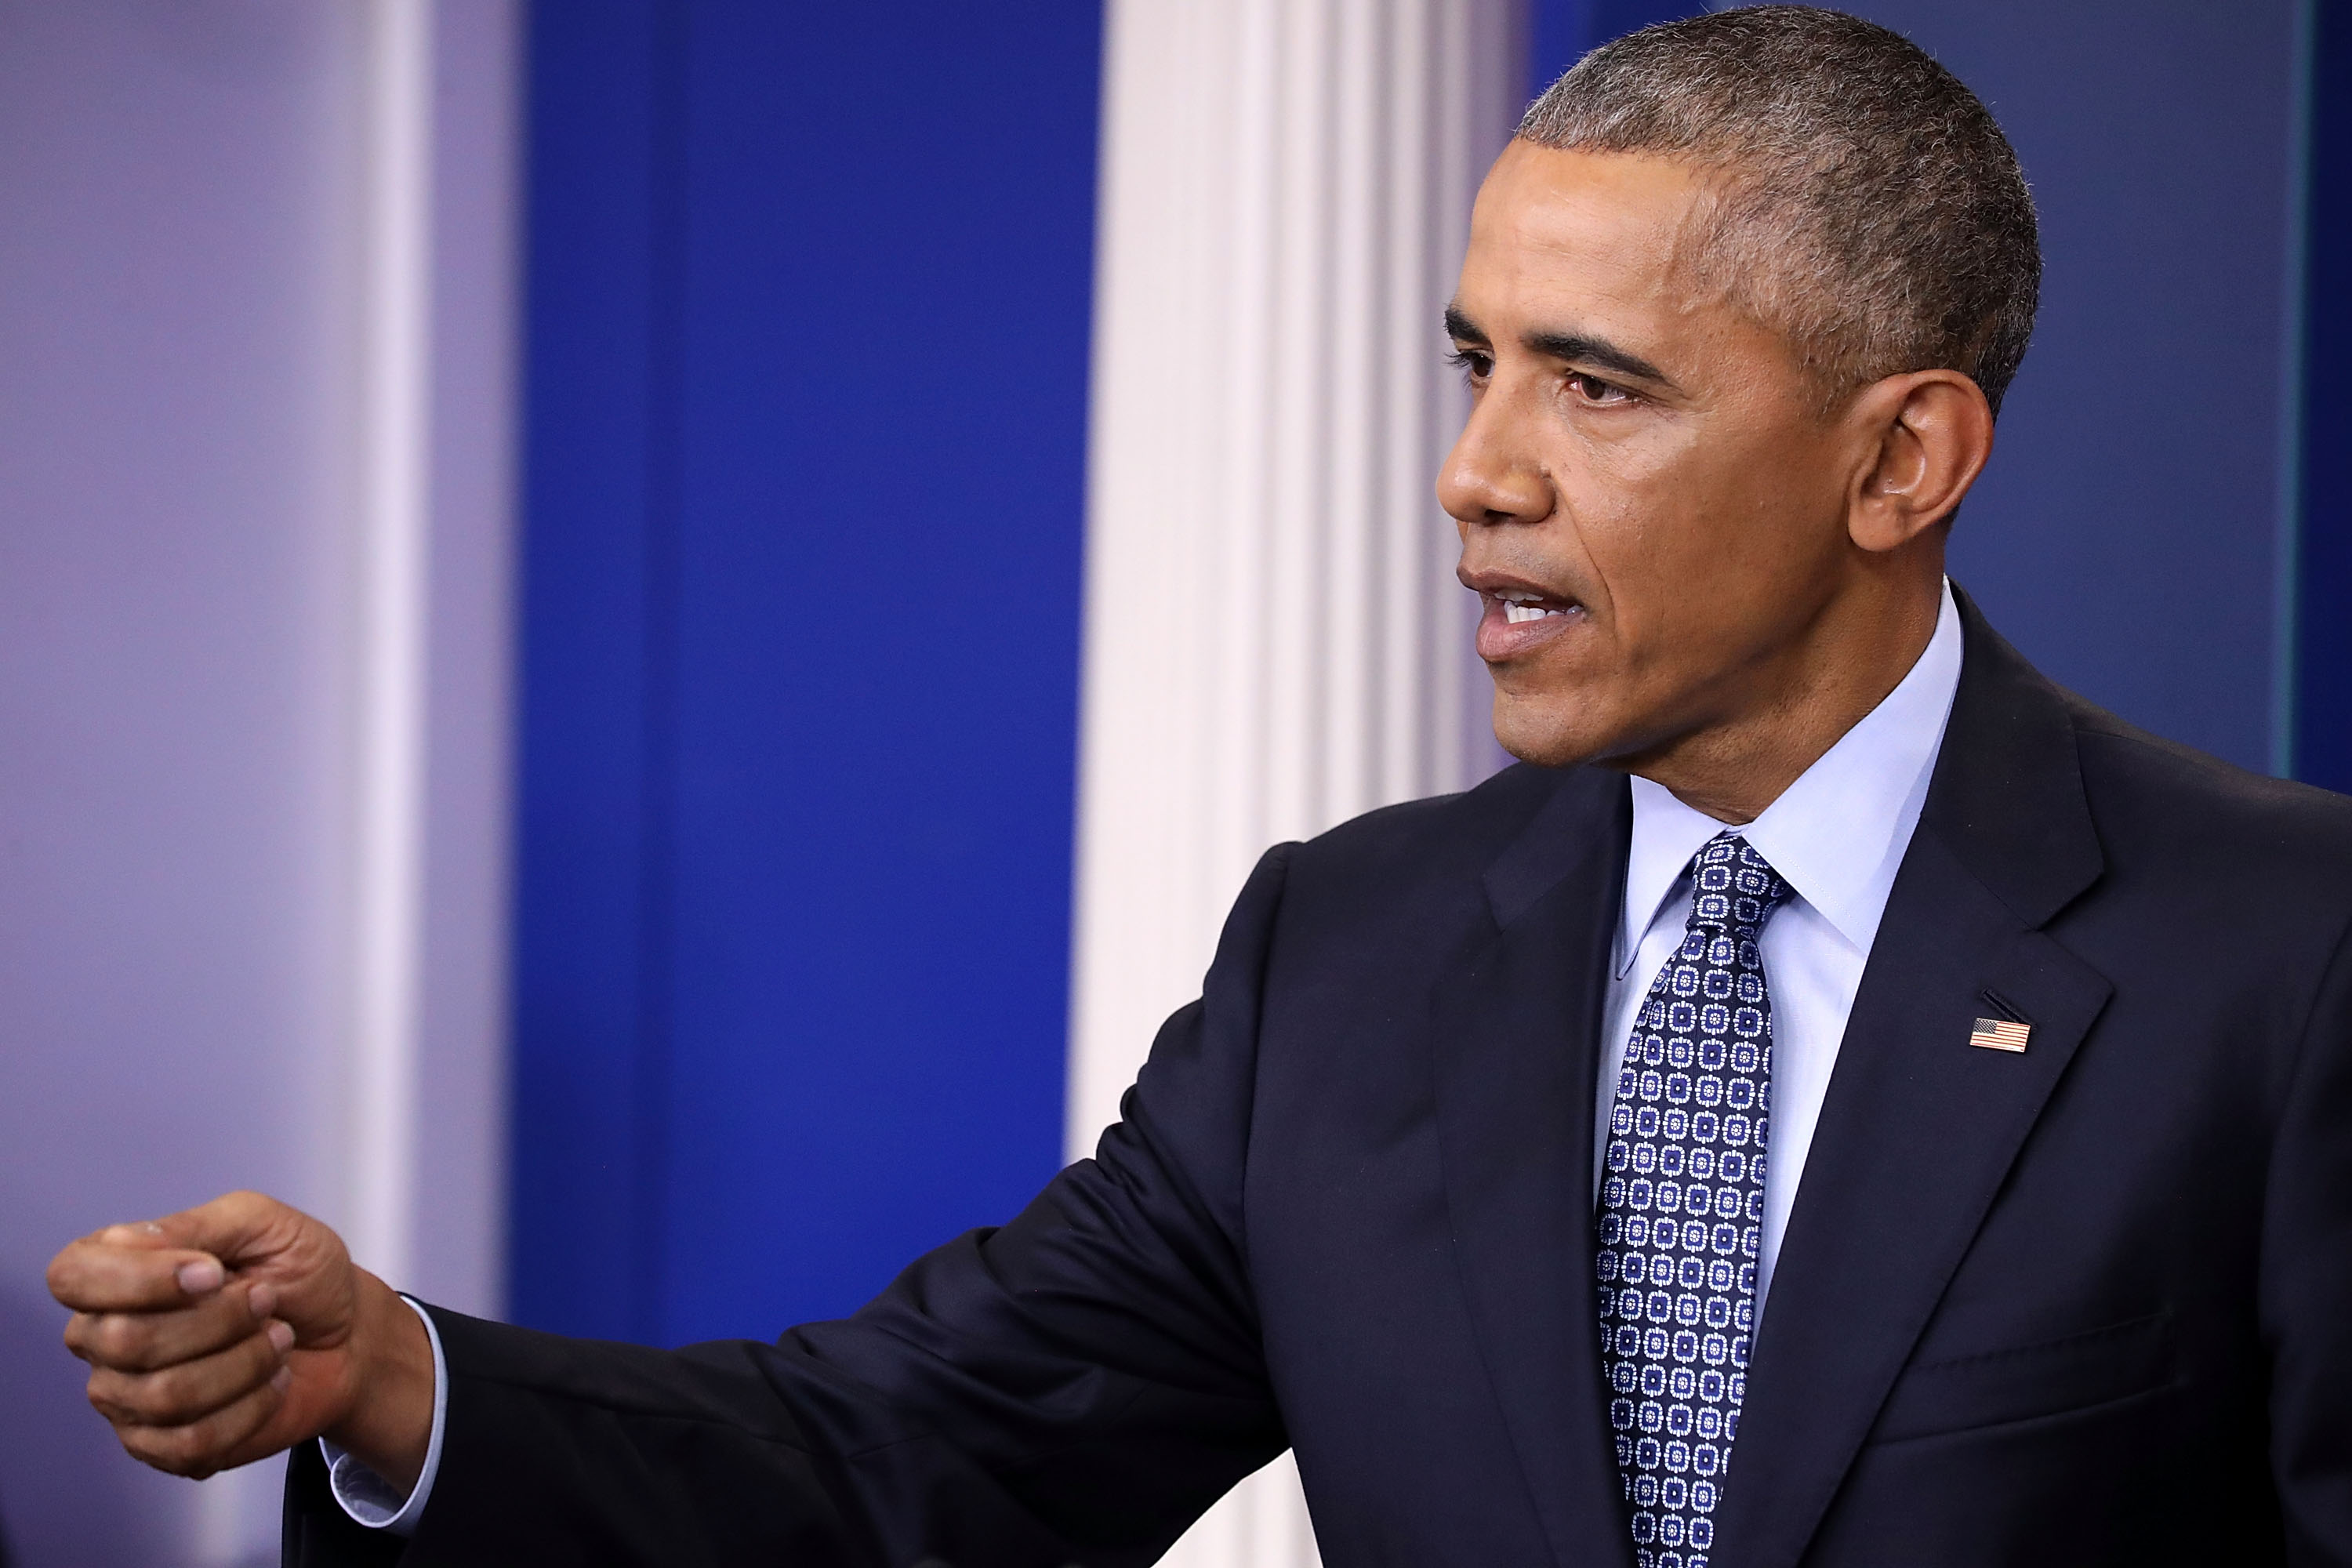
{"type": "Point", "coordinates": [1643, 539]}
{"type": "Point", "coordinates": [1687, 564]}
{"type": "Point", "coordinates": [1728, 514]}
{"type": "Point", "coordinates": [1642, 480]}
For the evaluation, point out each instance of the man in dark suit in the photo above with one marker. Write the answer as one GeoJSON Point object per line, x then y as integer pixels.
{"type": "Point", "coordinates": [1843, 1100]}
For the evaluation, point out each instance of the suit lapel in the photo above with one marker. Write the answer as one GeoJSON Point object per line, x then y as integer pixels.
{"type": "Point", "coordinates": [1919, 1127]}
{"type": "Point", "coordinates": [1517, 1038]}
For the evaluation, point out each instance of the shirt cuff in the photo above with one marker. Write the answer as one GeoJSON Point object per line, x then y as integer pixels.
{"type": "Point", "coordinates": [367, 1497]}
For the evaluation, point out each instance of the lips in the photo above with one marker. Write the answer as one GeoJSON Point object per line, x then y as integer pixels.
{"type": "Point", "coordinates": [1520, 618]}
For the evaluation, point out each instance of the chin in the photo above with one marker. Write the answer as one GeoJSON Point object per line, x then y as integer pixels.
{"type": "Point", "coordinates": [1551, 733]}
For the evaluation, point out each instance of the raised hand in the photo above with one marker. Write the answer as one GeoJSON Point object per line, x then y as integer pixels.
{"type": "Point", "coordinates": [221, 1334]}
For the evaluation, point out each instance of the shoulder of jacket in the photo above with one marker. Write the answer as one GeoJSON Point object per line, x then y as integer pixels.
{"type": "Point", "coordinates": [2129, 773]}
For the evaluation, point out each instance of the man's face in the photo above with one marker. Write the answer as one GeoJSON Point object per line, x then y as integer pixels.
{"type": "Point", "coordinates": [1652, 506]}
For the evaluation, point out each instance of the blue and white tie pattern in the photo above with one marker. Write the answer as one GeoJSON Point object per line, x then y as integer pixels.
{"type": "Point", "coordinates": [1682, 1207]}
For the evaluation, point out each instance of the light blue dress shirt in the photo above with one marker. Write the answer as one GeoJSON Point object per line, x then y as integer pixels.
{"type": "Point", "coordinates": [1835, 836]}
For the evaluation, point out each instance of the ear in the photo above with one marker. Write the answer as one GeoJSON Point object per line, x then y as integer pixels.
{"type": "Point", "coordinates": [1924, 436]}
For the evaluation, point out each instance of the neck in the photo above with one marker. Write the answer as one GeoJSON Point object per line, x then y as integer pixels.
{"type": "Point", "coordinates": [1844, 666]}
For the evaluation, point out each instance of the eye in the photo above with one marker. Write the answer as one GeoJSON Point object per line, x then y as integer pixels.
{"type": "Point", "coordinates": [1595, 393]}
{"type": "Point", "coordinates": [1476, 364]}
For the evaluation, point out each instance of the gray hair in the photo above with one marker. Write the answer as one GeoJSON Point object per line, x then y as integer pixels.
{"type": "Point", "coordinates": [1868, 206]}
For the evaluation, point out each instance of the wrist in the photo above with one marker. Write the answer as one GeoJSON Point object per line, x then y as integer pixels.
{"type": "Point", "coordinates": [388, 1408]}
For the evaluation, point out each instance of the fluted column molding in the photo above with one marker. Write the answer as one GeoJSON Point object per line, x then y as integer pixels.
{"type": "Point", "coordinates": [1274, 640]}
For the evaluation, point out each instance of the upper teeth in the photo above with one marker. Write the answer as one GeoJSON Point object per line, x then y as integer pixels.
{"type": "Point", "coordinates": [1519, 606]}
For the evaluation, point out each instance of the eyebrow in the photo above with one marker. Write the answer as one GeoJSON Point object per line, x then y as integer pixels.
{"type": "Point", "coordinates": [1577, 348]}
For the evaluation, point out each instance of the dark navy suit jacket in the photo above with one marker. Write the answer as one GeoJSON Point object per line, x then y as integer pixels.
{"type": "Point", "coordinates": [2089, 1304]}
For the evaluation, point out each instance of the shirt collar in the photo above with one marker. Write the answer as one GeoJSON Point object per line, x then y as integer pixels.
{"type": "Point", "coordinates": [1836, 835]}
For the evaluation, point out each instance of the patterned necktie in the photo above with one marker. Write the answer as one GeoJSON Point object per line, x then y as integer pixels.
{"type": "Point", "coordinates": [1682, 1207]}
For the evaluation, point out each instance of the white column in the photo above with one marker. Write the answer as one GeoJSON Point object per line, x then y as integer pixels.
{"type": "Point", "coordinates": [1274, 640]}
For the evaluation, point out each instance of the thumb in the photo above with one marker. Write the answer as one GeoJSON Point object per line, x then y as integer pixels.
{"type": "Point", "coordinates": [302, 1263]}
{"type": "Point", "coordinates": [238, 1229]}
{"type": "Point", "coordinates": [161, 1264]}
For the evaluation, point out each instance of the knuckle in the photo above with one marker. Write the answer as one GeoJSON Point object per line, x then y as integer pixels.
{"type": "Point", "coordinates": [116, 1394]}
{"type": "Point", "coordinates": [116, 1339]}
{"type": "Point", "coordinates": [192, 1447]}
{"type": "Point", "coordinates": [245, 1207]}
{"type": "Point", "coordinates": [76, 1276]}
{"type": "Point", "coordinates": [147, 1399]}
{"type": "Point", "coordinates": [198, 1455]}
{"type": "Point", "coordinates": [169, 1398]}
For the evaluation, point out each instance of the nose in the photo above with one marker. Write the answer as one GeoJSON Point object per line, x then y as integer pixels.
{"type": "Point", "coordinates": [1491, 476]}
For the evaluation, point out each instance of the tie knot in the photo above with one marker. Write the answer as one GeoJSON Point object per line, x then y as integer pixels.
{"type": "Point", "coordinates": [1733, 889]}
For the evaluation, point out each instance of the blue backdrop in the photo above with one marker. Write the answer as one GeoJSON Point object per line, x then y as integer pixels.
{"type": "Point", "coordinates": [1560, 30]}
{"type": "Point", "coordinates": [2128, 536]}
{"type": "Point", "coordinates": [807, 339]}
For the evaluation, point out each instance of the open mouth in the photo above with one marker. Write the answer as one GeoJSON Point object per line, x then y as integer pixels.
{"type": "Point", "coordinates": [1519, 618]}
{"type": "Point", "coordinates": [1520, 607]}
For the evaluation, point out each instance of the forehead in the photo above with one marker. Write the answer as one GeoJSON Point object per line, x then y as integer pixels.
{"type": "Point", "coordinates": [1579, 232]}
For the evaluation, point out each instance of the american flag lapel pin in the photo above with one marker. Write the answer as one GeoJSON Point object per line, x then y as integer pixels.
{"type": "Point", "coordinates": [2001, 1034]}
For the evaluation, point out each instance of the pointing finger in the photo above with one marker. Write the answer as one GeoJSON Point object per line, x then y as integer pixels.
{"type": "Point", "coordinates": [237, 1227]}
{"type": "Point", "coordinates": [95, 1275]}
{"type": "Point", "coordinates": [142, 1342]}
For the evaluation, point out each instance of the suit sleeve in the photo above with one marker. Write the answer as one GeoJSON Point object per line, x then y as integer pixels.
{"type": "Point", "coordinates": [2306, 1285]}
{"type": "Point", "coordinates": [1074, 1387]}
